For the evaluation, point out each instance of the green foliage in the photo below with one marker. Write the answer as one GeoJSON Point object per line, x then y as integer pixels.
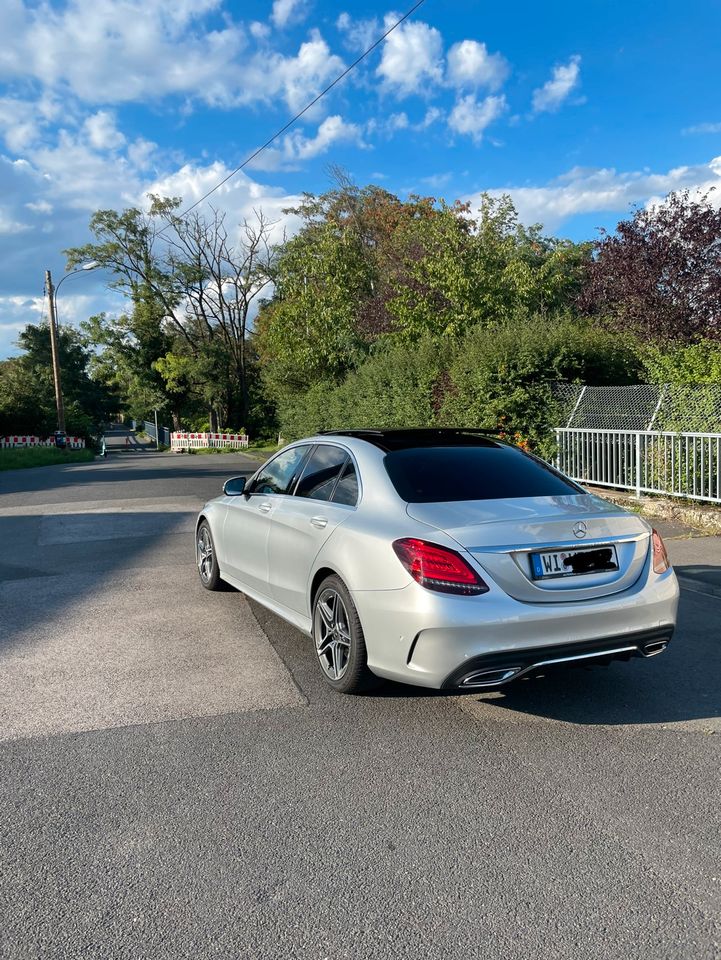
{"type": "Point", "coordinates": [697, 363]}
{"type": "Point", "coordinates": [27, 392]}
{"type": "Point", "coordinates": [502, 378]}
{"type": "Point", "coordinates": [499, 378]}
{"type": "Point", "coordinates": [18, 458]}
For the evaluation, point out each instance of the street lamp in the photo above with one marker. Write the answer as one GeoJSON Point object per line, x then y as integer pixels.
{"type": "Point", "coordinates": [52, 304]}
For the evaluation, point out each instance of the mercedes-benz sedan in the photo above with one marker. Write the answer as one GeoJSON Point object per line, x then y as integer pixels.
{"type": "Point", "coordinates": [444, 558]}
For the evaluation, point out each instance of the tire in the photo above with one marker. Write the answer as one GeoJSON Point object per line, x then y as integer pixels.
{"type": "Point", "coordinates": [338, 639]}
{"type": "Point", "coordinates": [206, 559]}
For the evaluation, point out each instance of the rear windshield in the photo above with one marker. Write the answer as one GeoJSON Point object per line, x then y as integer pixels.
{"type": "Point", "coordinates": [442, 474]}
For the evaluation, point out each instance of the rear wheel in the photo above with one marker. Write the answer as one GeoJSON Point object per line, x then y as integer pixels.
{"type": "Point", "coordinates": [206, 558]}
{"type": "Point", "coordinates": [339, 641]}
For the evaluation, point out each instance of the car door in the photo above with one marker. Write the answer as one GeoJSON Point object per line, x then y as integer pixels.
{"type": "Point", "coordinates": [249, 516]}
{"type": "Point", "coordinates": [324, 497]}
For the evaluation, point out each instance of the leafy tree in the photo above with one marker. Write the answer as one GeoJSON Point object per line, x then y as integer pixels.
{"type": "Point", "coordinates": [27, 393]}
{"type": "Point", "coordinates": [198, 285]}
{"type": "Point", "coordinates": [368, 267]}
{"type": "Point", "coordinates": [659, 274]}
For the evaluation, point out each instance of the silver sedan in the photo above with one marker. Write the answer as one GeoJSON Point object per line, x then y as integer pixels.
{"type": "Point", "coordinates": [443, 558]}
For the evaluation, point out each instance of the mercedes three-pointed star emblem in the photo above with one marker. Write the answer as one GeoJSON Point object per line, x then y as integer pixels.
{"type": "Point", "coordinates": [579, 530]}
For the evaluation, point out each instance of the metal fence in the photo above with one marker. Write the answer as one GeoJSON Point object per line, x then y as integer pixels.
{"type": "Point", "coordinates": [674, 464]}
{"type": "Point", "coordinates": [677, 408]}
{"type": "Point", "coordinates": [149, 427]}
{"type": "Point", "coordinates": [646, 438]}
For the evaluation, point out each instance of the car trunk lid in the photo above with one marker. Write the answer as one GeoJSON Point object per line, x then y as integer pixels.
{"type": "Point", "coordinates": [502, 535]}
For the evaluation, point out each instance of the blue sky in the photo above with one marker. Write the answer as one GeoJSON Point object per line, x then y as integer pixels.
{"type": "Point", "coordinates": [578, 111]}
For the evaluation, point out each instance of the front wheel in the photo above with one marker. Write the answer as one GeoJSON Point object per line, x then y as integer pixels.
{"type": "Point", "coordinates": [339, 641]}
{"type": "Point", "coordinates": [206, 559]}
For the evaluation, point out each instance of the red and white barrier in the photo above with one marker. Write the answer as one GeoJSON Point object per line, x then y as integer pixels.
{"type": "Point", "coordinates": [75, 443]}
{"type": "Point", "coordinates": [202, 441]}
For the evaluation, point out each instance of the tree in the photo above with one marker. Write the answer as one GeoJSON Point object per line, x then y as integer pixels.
{"type": "Point", "coordinates": [659, 275]}
{"type": "Point", "coordinates": [199, 285]}
{"type": "Point", "coordinates": [27, 394]}
{"type": "Point", "coordinates": [367, 268]}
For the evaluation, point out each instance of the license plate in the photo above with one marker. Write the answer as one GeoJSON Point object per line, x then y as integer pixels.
{"type": "Point", "coordinates": [549, 564]}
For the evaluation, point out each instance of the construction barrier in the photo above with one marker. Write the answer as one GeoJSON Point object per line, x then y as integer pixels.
{"type": "Point", "coordinates": [179, 442]}
{"type": "Point", "coordinates": [75, 443]}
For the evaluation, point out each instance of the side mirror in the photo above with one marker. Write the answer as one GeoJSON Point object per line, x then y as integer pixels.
{"type": "Point", "coordinates": [234, 487]}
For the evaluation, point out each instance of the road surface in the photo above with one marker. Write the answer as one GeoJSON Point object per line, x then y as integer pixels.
{"type": "Point", "coordinates": [177, 782]}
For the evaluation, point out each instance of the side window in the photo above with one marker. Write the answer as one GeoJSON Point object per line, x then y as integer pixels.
{"type": "Point", "coordinates": [277, 476]}
{"type": "Point", "coordinates": [346, 491]}
{"type": "Point", "coordinates": [321, 473]}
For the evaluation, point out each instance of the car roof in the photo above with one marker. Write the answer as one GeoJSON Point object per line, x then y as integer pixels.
{"type": "Point", "coordinates": [407, 439]}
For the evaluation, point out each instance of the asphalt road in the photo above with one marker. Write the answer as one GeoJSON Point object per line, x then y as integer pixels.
{"type": "Point", "coordinates": [178, 782]}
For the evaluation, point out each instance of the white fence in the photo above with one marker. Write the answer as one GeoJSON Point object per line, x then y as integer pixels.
{"type": "Point", "coordinates": [646, 461]}
{"type": "Point", "coordinates": [197, 441]}
{"type": "Point", "coordinates": [75, 443]}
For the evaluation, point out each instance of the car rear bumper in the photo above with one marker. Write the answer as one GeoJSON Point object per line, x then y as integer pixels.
{"type": "Point", "coordinates": [492, 670]}
{"type": "Point", "coordinates": [416, 636]}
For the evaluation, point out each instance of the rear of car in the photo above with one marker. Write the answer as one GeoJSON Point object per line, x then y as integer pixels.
{"type": "Point", "coordinates": [510, 567]}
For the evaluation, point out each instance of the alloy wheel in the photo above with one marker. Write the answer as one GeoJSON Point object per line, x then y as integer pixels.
{"type": "Point", "coordinates": [331, 630]}
{"type": "Point", "coordinates": [205, 554]}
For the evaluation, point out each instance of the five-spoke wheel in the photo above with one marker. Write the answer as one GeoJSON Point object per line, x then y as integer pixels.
{"type": "Point", "coordinates": [338, 636]}
{"type": "Point", "coordinates": [206, 559]}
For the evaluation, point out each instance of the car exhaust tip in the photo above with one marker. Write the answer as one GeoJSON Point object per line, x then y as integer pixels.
{"type": "Point", "coordinates": [654, 648]}
{"type": "Point", "coordinates": [491, 677]}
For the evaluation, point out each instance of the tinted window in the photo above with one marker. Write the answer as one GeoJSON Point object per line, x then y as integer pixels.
{"type": "Point", "coordinates": [347, 490]}
{"type": "Point", "coordinates": [321, 472]}
{"type": "Point", "coordinates": [276, 476]}
{"type": "Point", "coordinates": [441, 474]}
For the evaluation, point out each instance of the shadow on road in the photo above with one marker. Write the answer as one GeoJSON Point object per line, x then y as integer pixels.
{"type": "Point", "coordinates": [682, 684]}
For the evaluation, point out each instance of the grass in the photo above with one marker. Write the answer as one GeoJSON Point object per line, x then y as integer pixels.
{"type": "Point", "coordinates": [17, 458]}
{"type": "Point", "coordinates": [261, 451]}
{"type": "Point", "coordinates": [258, 451]}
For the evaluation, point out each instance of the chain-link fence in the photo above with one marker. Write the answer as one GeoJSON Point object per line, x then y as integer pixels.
{"type": "Point", "coordinates": [680, 408]}
{"type": "Point", "coordinates": [647, 438]}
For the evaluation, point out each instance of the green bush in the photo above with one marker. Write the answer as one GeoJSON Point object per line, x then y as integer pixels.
{"type": "Point", "coordinates": [497, 377]}
{"type": "Point", "coordinates": [503, 377]}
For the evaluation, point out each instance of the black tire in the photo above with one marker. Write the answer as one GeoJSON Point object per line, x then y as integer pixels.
{"type": "Point", "coordinates": [205, 558]}
{"type": "Point", "coordinates": [338, 639]}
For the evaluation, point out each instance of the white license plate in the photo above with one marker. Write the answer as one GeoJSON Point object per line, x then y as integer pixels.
{"type": "Point", "coordinates": [548, 564]}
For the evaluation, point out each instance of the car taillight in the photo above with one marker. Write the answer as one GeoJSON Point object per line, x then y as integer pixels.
{"type": "Point", "coordinates": [661, 563]}
{"type": "Point", "coordinates": [438, 568]}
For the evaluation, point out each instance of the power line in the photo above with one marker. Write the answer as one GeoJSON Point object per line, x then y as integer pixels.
{"type": "Point", "coordinates": [300, 114]}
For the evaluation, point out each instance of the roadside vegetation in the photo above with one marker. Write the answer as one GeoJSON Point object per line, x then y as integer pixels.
{"type": "Point", "coordinates": [18, 458]}
{"type": "Point", "coordinates": [377, 311]}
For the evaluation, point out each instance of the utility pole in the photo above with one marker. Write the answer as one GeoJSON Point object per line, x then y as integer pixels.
{"type": "Point", "coordinates": [54, 350]}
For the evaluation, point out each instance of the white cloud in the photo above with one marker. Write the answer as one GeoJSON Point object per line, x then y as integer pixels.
{"type": "Point", "coordinates": [301, 77]}
{"type": "Point", "coordinates": [333, 130]}
{"type": "Point", "coordinates": [102, 132]}
{"type": "Point", "coordinates": [41, 206]}
{"type": "Point", "coordinates": [470, 66]}
{"type": "Point", "coordinates": [433, 115]}
{"type": "Point", "coordinates": [563, 80]}
{"type": "Point", "coordinates": [285, 10]}
{"type": "Point", "coordinates": [258, 30]}
{"type": "Point", "coordinates": [471, 117]}
{"type": "Point", "coordinates": [702, 128]}
{"type": "Point", "coordinates": [112, 52]}
{"type": "Point", "coordinates": [412, 58]}
{"type": "Point", "coordinates": [359, 34]}
{"type": "Point", "coordinates": [9, 226]}
{"type": "Point", "coordinates": [604, 190]}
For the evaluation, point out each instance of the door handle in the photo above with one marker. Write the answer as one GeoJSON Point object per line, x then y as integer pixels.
{"type": "Point", "coordinates": [319, 522]}
{"type": "Point", "coordinates": [265, 507]}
